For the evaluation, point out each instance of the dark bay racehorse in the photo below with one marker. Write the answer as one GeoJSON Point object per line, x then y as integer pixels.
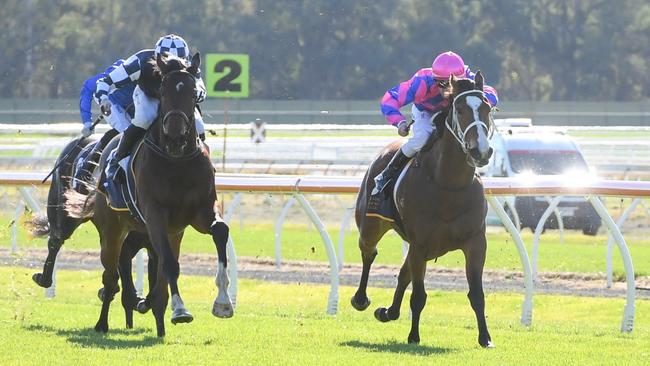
{"type": "Point", "coordinates": [175, 188]}
{"type": "Point", "coordinates": [59, 226]}
{"type": "Point", "coordinates": [441, 204]}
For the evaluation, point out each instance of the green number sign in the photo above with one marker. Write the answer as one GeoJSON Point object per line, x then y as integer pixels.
{"type": "Point", "coordinates": [226, 75]}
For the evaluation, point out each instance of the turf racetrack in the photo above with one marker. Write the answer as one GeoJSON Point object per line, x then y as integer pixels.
{"type": "Point", "coordinates": [279, 324]}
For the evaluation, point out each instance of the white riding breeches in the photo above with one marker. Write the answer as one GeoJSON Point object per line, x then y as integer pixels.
{"type": "Point", "coordinates": [118, 119]}
{"type": "Point", "coordinates": [146, 111]}
{"type": "Point", "coordinates": [198, 122]}
{"type": "Point", "coordinates": [422, 128]}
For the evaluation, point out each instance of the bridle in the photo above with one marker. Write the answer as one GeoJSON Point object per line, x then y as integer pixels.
{"type": "Point", "coordinates": [457, 131]}
{"type": "Point", "coordinates": [178, 112]}
{"type": "Point", "coordinates": [174, 112]}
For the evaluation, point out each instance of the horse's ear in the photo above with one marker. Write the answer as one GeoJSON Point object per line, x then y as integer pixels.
{"type": "Point", "coordinates": [195, 64]}
{"type": "Point", "coordinates": [478, 80]}
{"type": "Point", "coordinates": [161, 64]}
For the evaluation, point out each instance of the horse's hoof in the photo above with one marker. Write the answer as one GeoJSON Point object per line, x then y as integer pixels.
{"type": "Point", "coordinates": [489, 344]}
{"type": "Point", "coordinates": [181, 316]}
{"type": "Point", "coordinates": [102, 292]}
{"type": "Point", "coordinates": [361, 306]}
{"type": "Point", "coordinates": [38, 278]}
{"type": "Point", "coordinates": [101, 327]}
{"type": "Point", "coordinates": [142, 307]}
{"type": "Point", "coordinates": [222, 310]}
{"type": "Point", "coordinates": [381, 314]}
{"type": "Point", "coordinates": [414, 339]}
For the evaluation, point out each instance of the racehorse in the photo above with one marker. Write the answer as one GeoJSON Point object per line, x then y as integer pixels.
{"type": "Point", "coordinates": [441, 206]}
{"type": "Point", "coordinates": [59, 226]}
{"type": "Point", "coordinates": [175, 188]}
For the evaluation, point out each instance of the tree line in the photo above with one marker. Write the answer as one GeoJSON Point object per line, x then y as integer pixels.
{"type": "Point", "coordinates": [539, 50]}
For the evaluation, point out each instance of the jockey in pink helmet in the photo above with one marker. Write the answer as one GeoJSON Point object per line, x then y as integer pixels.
{"type": "Point", "coordinates": [424, 90]}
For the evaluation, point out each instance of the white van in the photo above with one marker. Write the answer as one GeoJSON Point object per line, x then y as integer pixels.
{"type": "Point", "coordinates": [521, 149]}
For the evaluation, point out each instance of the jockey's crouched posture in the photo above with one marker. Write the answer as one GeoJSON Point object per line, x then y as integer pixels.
{"type": "Point", "coordinates": [119, 119]}
{"type": "Point", "coordinates": [424, 90]}
{"type": "Point", "coordinates": [146, 107]}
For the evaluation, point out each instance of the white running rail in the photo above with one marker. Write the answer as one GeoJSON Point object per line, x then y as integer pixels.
{"type": "Point", "coordinates": [299, 186]}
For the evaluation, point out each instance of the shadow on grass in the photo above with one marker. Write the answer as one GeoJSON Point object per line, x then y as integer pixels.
{"type": "Point", "coordinates": [397, 347]}
{"type": "Point", "coordinates": [88, 337]}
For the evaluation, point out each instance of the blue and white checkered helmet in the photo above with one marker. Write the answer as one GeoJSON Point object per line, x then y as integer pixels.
{"type": "Point", "coordinates": [173, 45]}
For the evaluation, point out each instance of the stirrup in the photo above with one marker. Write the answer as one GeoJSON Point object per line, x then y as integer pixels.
{"type": "Point", "coordinates": [380, 185]}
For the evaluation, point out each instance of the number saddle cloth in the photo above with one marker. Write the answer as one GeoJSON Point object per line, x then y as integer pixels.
{"type": "Point", "coordinates": [121, 191]}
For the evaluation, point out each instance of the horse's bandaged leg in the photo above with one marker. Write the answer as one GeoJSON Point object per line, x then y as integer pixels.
{"type": "Point", "coordinates": [222, 307]}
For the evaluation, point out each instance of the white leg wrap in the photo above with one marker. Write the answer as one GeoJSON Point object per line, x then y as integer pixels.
{"type": "Point", "coordinates": [222, 307]}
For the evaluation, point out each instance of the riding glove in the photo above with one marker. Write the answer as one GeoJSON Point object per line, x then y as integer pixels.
{"type": "Point", "coordinates": [105, 106]}
{"type": "Point", "coordinates": [403, 128]}
{"type": "Point", "coordinates": [88, 129]}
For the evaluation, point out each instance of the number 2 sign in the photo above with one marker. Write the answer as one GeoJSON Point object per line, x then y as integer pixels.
{"type": "Point", "coordinates": [226, 75]}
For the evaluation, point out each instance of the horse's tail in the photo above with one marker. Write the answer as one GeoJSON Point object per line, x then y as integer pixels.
{"type": "Point", "coordinates": [79, 205]}
{"type": "Point", "coordinates": [38, 226]}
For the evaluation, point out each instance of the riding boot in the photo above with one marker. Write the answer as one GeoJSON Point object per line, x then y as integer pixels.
{"type": "Point", "coordinates": [85, 170]}
{"type": "Point", "coordinates": [132, 134]}
{"type": "Point", "coordinates": [390, 172]}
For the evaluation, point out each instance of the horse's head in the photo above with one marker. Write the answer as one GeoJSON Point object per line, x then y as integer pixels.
{"type": "Point", "coordinates": [470, 120]}
{"type": "Point", "coordinates": [177, 103]}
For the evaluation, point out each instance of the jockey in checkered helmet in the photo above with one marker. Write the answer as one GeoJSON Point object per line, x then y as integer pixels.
{"type": "Point", "coordinates": [174, 45]}
{"type": "Point", "coordinates": [146, 106]}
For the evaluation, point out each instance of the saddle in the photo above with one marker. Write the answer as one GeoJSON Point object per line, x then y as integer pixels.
{"type": "Point", "coordinates": [121, 192]}
{"type": "Point", "coordinates": [383, 205]}
{"type": "Point", "coordinates": [83, 155]}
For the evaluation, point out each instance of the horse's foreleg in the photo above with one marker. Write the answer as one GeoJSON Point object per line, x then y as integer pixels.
{"type": "Point", "coordinates": [222, 306]}
{"type": "Point", "coordinates": [403, 280]}
{"type": "Point", "coordinates": [210, 222]}
{"type": "Point", "coordinates": [418, 266]}
{"type": "Point", "coordinates": [179, 312]}
{"type": "Point", "coordinates": [159, 299]}
{"type": "Point", "coordinates": [167, 249]}
{"type": "Point", "coordinates": [474, 262]}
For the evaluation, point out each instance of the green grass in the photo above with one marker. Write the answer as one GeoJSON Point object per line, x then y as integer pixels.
{"type": "Point", "coordinates": [579, 253]}
{"type": "Point", "coordinates": [281, 324]}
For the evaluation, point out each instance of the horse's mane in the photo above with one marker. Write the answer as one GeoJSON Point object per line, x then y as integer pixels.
{"type": "Point", "coordinates": [439, 119]}
{"type": "Point", "coordinates": [150, 78]}
{"type": "Point", "coordinates": [151, 75]}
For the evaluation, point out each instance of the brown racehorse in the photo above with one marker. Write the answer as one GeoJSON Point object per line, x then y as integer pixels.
{"type": "Point", "coordinates": [175, 188]}
{"type": "Point", "coordinates": [441, 205]}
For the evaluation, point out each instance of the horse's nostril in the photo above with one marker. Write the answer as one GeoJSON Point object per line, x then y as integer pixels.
{"type": "Point", "coordinates": [490, 151]}
{"type": "Point", "coordinates": [474, 153]}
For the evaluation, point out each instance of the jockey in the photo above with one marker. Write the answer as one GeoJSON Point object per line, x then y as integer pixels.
{"type": "Point", "coordinates": [119, 120]}
{"type": "Point", "coordinates": [424, 90]}
{"type": "Point", "coordinates": [146, 107]}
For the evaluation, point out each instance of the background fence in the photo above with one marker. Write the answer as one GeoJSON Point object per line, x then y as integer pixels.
{"type": "Point", "coordinates": [345, 112]}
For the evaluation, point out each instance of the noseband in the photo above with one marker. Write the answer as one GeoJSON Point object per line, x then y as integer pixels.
{"type": "Point", "coordinates": [456, 130]}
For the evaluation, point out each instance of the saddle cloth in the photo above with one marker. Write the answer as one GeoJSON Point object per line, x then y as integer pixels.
{"type": "Point", "coordinates": [121, 191]}
{"type": "Point", "coordinates": [383, 206]}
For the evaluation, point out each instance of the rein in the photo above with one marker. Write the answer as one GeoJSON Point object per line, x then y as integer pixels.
{"type": "Point", "coordinates": [151, 144]}
{"type": "Point", "coordinates": [455, 128]}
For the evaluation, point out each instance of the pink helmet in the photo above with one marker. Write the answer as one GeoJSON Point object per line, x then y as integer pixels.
{"type": "Point", "coordinates": [448, 63]}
